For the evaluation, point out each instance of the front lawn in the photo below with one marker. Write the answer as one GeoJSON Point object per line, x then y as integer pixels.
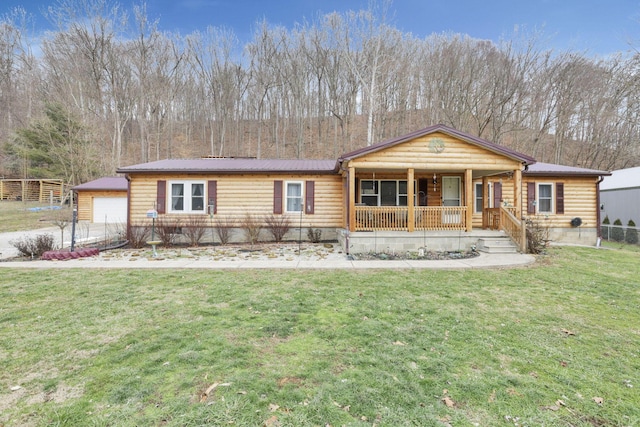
{"type": "Point", "coordinates": [554, 344]}
{"type": "Point", "coordinates": [19, 216]}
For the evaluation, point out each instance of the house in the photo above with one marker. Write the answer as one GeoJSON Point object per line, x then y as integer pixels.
{"type": "Point", "coordinates": [437, 188]}
{"type": "Point", "coordinates": [103, 200]}
{"type": "Point", "coordinates": [620, 196]}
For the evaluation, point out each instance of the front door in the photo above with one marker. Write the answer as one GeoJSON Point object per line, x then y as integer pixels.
{"type": "Point", "coordinates": [451, 197]}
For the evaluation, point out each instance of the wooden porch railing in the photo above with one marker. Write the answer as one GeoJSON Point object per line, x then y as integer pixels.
{"type": "Point", "coordinates": [395, 218]}
{"type": "Point", "coordinates": [390, 218]}
{"type": "Point", "coordinates": [440, 218]}
{"type": "Point", "coordinates": [514, 227]}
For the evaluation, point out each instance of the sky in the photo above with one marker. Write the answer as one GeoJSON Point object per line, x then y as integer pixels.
{"type": "Point", "coordinates": [596, 27]}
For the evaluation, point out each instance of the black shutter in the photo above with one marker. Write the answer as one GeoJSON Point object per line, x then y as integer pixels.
{"type": "Point", "coordinates": [531, 198]}
{"type": "Point", "coordinates": [161, 197]}
{"type": "Point", "coordinates": [559, 198]}
{"type": "Point", "coordinates": [309, 195]}
{"type": "Point", "coordinates": [277, 197]}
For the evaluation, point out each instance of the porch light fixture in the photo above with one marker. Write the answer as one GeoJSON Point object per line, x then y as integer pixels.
{"type": "Point", "coordinates": [435, 182]}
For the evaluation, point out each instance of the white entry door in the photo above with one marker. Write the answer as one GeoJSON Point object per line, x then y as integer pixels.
{"type": "Point", "coordinates": [451, 197]}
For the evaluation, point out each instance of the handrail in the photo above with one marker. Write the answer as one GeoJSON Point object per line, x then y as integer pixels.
{"type": "Point", "coordinates": [514, 227]}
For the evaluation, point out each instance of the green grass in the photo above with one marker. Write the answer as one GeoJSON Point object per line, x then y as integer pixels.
{"type": "Point", "coordinates": [15, 216]}
{"type": "Point", "coordinates": [529, 346]}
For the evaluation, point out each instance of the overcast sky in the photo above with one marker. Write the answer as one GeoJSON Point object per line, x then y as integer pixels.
{"type": "Point", "coordinates": [597, 27]}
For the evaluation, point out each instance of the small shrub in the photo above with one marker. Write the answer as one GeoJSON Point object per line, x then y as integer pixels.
{"type": "Point", "coordinates": [537, 236]}
{"type": "Point", "coordinates": [139, 233]}
{"type": "Point", "coordinates": [251, 228]}
{"type": "Point", "coordinates": [167, 230]}
{"type": "Point", "coordinates": [34, 246]}
{"type": "Point", "coordinates": [278, 226]}
{"type": "Point", "coordinates": [631, 236]}
{"type": "Point", "coordinates": [314, 236]}
{"type": "Point", "coordinates": [194, 228]}
{"type": "Point", "coordinates": [224, 228]}
{"type": "Point", "coordinates": [617, 233]}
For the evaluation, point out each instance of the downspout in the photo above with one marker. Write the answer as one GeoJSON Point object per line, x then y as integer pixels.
{"type": "Point", "coordinates": [128, 178]}
{"type": "Point", "coordinates": [599, 231]}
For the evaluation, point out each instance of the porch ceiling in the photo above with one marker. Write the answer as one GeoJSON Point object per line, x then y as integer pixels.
{"type": "Point", "coordinates": [477, 173]}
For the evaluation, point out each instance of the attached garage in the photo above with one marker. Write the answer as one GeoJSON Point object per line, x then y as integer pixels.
{"type": "Point", "coordinates": [103, 200]}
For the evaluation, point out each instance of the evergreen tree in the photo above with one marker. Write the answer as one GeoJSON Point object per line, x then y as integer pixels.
{"type": "Point", "coordinates": [57, 146]}
{"type": "Point", "coordinates": [617, 233]}
{"type": "Point", "coordinates": [631, 235]}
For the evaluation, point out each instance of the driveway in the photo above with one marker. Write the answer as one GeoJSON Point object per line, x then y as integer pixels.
{"type": "Point", "coordinates": [84, 232]}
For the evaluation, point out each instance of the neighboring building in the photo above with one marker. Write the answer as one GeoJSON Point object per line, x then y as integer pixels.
{"type": "Point", "coordinates": [103, 200]}
{"type": "Point", "coordinates": [620, 196]}
{"type": "Point", "coordinates": [461, 185]}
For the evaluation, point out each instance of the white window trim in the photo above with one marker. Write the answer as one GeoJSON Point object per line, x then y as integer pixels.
{"type": "Point", "coordinates": [286, 196]}
{"type": "Point", "coordinates": [187, 197]}
{"type": "Point", "coordinates": [552, 196]}
{"type": "Point", "coordinates": [477, 196]}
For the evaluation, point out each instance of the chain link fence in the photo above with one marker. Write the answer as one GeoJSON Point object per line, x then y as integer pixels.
{"type": "Point", "coordinates": [619, 233]}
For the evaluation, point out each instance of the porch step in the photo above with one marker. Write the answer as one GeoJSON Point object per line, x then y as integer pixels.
{"type": "Point", "coordinates": [497, 245]}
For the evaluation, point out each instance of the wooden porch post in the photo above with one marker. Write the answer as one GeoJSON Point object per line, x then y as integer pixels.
{"type": "Point", "coordinates": [485, 202]}
{"type": "Point", "coordinates": [517, 192]}
{"type": "Point", "coordinates": [468, 198]}
{"type": "Point", "coordinates": [410, 201]}
{"type": "Point", "coordinates": [352, 198]}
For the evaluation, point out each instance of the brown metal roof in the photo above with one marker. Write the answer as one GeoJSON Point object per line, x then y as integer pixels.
{"type": "Point", "coordinates": [550, 169]}
{"type": "Point", "coordinates": [233, 165]}
{"type": "Point", "coordinates": [116, 183]}
{"type": "Point", "coordinates": [499, 149]}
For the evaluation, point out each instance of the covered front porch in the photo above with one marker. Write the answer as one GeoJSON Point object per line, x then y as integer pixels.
{"type": "Point", "coordinates": [438, 202]}
{"type": "Point", "coordinates": [435, 180]}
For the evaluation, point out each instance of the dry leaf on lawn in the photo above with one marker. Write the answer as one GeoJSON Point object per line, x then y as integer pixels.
{"type": "Point", "coordinates": [448, 401]}
{"type": "Point", "coordinates": [272, 422]}
{"type": "Point", "coordinates": [273, 407]}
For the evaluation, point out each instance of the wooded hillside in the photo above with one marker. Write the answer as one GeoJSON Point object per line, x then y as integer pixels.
{"type": "Point", "coordinates": [334, 84]}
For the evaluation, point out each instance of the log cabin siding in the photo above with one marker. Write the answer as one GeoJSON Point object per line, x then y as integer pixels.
{"type": "Point", "coordinates": [418, 154]}
{"type": "Point", "coordinates": [579, 199]}
{"type": "Point", "coordinates": [240, 194]}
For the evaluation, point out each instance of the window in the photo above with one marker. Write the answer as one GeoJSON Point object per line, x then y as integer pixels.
{"type": "Point", "coordinates": [294, 196]}
{"type": "Point", "coordinates": [479, 205]}
{"type": "Point", "coordinates": [545, 198]}
{"type": "Point", "coordinates": [385, 192]}
{"type": "Point", "coordinates": [369, 192]}
{"type": "Point", "coordinates": [187, 197]}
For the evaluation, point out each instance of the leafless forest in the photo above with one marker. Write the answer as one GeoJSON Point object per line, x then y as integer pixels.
{"type": "Point", "coordinates": [336, 83]}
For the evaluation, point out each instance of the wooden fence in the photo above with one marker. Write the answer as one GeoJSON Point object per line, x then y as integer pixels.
{"type": "Point", "coordinates": [32, 190]}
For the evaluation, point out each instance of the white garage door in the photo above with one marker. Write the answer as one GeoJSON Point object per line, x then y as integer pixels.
{"type": "Point", "coordinates": [110, 209]}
